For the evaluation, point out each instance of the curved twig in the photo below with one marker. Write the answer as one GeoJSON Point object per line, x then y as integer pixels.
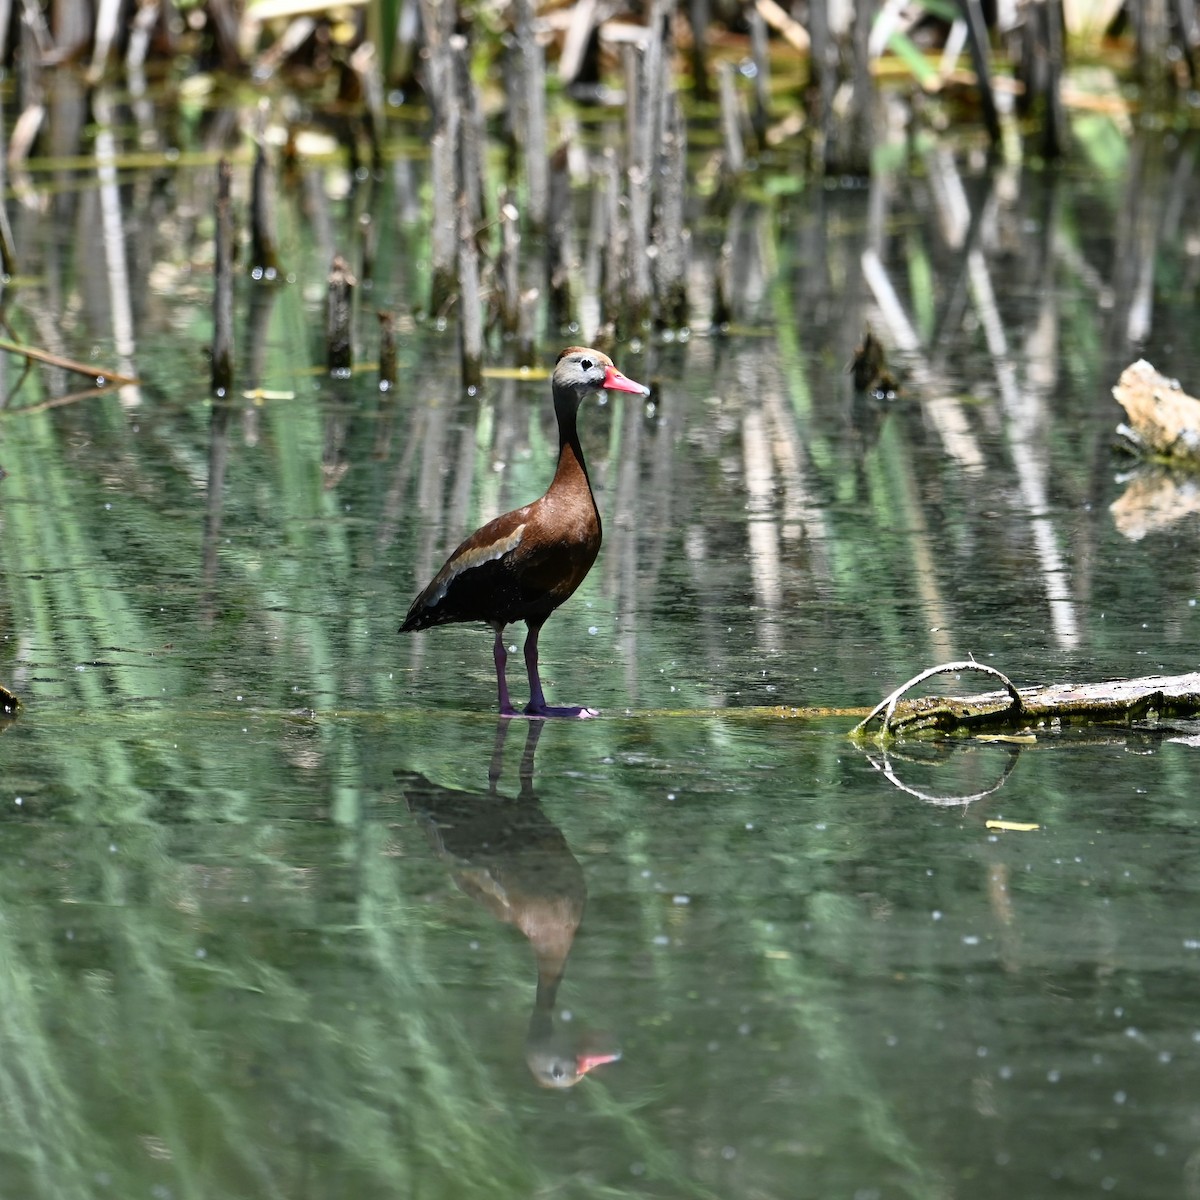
{"type": "Point", "coordinates": [889, 702]}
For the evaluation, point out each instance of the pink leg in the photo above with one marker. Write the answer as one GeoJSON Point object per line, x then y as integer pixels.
{"type": "Point", "coordinates": [537, 706]}
{"type": "Point", "coordinates": [501, 657]}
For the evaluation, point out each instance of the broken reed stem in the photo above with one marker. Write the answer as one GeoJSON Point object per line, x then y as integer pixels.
{"type": "Point", "coordinates": [439, 81]}
{"type": "Point", "coordinates": [698, 17]}
{"type": "Point", "coordinates": [387, 350]}
{"type": "Point", "coordinates": [264, 261]}
{"type": "Point", "coordinates": [222, 343]}
{"type": "Point", "coordinates": [339, 309]}
{"type": "Point", "coordinates": [671, 238]}
{"type": "Point", "coordinates": [731, 123]}
{"type": "Point", "coordinates": [611, 231]}
{"type": "Point", "coordinates": [508, 293]}
{"type": "Point", "coordinates": [559, 253]}
{"type": "Point", "coordinates": [470, 321]}
{"type": "Point", "coordinates": [442, 249]}
{"type": "Point", "coordinates": [977, 39]}
{"type": "Point", "coordinates": [532, 115]}
{"type": "Point", "coordinates": [758, 53]}
{"type": "Point", "coordinates": [471, 131]}
{"type": "Point", "coordinates": [364, 62]}
{"type": "Point", "coordinates": [367, 244]}
{"type": "Point", "coordinates": [644, 72]}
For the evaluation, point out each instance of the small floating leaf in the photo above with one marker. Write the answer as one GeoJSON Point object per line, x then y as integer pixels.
{"type": "Point", "coordinates": [1013, 826]}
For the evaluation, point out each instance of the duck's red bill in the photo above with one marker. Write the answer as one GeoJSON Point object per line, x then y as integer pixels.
{"type": "Point", "coordinates": [615, 381]}
{"type": "Point", "coordinates": [587, 1062]}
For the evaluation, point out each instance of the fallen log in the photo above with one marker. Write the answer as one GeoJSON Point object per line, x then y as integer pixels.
{"type": "Point", "coordinates": [1112, 702]}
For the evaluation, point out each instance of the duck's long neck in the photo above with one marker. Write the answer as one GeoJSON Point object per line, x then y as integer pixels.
{"type": "Point", "coordinates": [572, 472]}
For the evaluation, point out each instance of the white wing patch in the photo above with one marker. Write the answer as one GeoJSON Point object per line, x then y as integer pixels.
{"type": "Point", "coordinates": [474, 558]}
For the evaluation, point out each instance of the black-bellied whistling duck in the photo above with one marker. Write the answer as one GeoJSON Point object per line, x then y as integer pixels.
{"type": "Point", "coordinates": [521, 566]}
{"type": "Point", "coordinates": [511, 858]}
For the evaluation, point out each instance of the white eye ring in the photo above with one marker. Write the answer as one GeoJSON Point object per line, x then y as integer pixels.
{"type": "Point", "coordinates": [587, 364]}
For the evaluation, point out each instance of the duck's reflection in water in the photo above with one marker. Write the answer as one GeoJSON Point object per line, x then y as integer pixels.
{"type": "Point", "coordinates": [510, 857]}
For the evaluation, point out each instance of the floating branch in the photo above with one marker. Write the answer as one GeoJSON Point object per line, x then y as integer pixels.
{"type": "Point", "coordinates": [887, 706]}
{"type": "Point", "coordinates": [222, 343]}
{"type": "Point", "coordinates": [1113, 701]}
{"type": "Point", "coordinates": [102, 377]}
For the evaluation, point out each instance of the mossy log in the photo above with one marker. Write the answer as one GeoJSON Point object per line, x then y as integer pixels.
{"type": "Point", "coordinates": [1117, 701]}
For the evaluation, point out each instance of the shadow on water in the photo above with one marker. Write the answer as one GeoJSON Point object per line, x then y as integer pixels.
{"type": "Point", "coordinates": [507, 855]}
